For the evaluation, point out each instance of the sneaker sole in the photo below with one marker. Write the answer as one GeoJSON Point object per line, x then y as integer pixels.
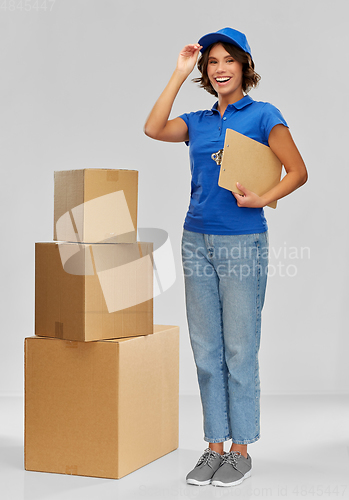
{"type": "Point", "coordinates": [198, 483]}
{"type": "Point", "coordinates": [234, 483]}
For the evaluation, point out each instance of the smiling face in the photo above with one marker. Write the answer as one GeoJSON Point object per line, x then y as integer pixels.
{"type": "Point", "coordinates": [224, 73]}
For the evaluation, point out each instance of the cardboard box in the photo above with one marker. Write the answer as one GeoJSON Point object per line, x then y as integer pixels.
{"type": "Point", "coordinates": [101, 409]}
{"type": "Point", "coordinates": [92, 292]}
{"type": "Point", "coordinates": [95, 205]}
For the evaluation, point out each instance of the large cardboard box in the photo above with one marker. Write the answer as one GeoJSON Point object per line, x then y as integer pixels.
{"type": "Point", "coordinates": [102, 408]}
{"type": "Point", "coordinates": [95, 205]}
{"type": "Point", "coordinates": [91, 292]}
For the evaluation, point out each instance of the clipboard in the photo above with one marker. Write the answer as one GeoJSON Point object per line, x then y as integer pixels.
{"type": "Point", "coordinates": [249, 162]}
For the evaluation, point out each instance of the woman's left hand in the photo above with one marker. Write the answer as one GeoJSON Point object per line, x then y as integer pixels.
{"type": "Point", "coordinates": [249, 198]}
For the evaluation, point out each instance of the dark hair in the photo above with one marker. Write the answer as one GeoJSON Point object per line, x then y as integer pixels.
{"type": "Point", "coordinates": [250, 78]}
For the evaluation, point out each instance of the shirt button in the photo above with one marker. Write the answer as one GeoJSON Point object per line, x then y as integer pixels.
{"type": "Point", "coordinates": [225, 118]}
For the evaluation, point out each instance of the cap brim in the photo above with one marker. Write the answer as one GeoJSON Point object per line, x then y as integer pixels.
{"type": "Point", "coordinates": [211, 38]}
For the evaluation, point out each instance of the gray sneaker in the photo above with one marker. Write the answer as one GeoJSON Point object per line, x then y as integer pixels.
{"type": "Point", "coordinates": [207, 465]}
{"type": "Point", "coordinates": [233, 470]}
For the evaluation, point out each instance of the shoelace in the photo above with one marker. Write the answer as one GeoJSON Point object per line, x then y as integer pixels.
{"type": "Point", "coordinates": [231, 458]}
{"type": "Point", "coordinates": [206, 457]}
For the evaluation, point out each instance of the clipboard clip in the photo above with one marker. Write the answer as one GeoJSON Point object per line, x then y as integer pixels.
{"type": "Point", "coordinates": [217, 157]}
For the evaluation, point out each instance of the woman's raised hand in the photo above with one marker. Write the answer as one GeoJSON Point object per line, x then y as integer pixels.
{"type": "Point", "coordinates": [158, 126]}
{"type": "Point", "coordinates": [187, 58]}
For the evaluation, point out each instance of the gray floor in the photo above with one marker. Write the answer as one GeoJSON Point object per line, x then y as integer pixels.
{"type": "Point", "coordinates": [303, 453]}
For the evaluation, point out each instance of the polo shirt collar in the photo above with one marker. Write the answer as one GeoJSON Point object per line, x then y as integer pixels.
{"type": "Point", "coordinates": [242, 103]}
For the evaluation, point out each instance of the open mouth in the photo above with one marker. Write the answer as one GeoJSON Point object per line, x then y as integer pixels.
{"type": "Point", "coordinates": [223, 79]}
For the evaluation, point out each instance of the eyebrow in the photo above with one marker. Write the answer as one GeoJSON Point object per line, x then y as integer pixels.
{"type": "Point", "coordinates": [225, 57]}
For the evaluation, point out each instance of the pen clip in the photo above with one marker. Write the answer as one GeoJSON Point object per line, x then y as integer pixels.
{"type": "Point", "coordinates": [217, 157]}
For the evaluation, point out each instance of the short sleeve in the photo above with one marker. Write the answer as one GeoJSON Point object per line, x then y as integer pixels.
{"type": "Point", "coordinates": [271, 116]}
{"type": "Point", "coordinates": [185, 118]}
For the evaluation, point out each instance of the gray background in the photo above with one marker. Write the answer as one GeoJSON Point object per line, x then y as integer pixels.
{"type": "Point", "coordinates": [77, 83]}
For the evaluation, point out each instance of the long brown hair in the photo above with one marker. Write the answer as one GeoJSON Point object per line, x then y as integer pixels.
{"type": "Point", "coordinates": [250, 78]}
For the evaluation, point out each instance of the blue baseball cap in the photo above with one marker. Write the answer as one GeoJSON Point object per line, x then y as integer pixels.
{"type": "Point", "coordinates": [227, 35]}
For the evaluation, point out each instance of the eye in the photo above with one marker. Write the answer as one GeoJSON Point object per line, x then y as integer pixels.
{"type": "Point", "coordinates": [212, 62]}
{"type": "Point", "coordinates": [230, 60]}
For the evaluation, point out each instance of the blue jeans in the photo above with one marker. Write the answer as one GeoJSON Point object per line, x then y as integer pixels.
{"type": "Point", "coordinates": [225, 279]}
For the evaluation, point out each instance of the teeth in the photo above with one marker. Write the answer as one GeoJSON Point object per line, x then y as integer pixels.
{"type": "Point", "coordinates": [221, 80]}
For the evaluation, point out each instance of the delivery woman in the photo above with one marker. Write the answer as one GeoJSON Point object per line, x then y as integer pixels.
{"type": "Point", "coordinates": [225, 245]}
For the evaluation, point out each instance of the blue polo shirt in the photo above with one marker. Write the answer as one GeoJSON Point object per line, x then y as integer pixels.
{"type": "Point", "coordinates": [213, 209]}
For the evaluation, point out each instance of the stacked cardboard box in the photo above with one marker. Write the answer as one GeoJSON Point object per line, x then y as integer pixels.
{"type": "Point", "coordinates": [101, 381]}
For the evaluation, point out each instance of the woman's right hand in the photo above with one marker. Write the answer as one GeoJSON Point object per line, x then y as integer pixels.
{"type": "Point", "coordinates": [187, 58]}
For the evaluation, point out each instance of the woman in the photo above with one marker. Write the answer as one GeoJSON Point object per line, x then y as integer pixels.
{"type": "Point", "coordinates": [225, 245]}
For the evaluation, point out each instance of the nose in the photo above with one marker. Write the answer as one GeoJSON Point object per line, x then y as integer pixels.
{"type": "Point", "coordinates": [220, 67]}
